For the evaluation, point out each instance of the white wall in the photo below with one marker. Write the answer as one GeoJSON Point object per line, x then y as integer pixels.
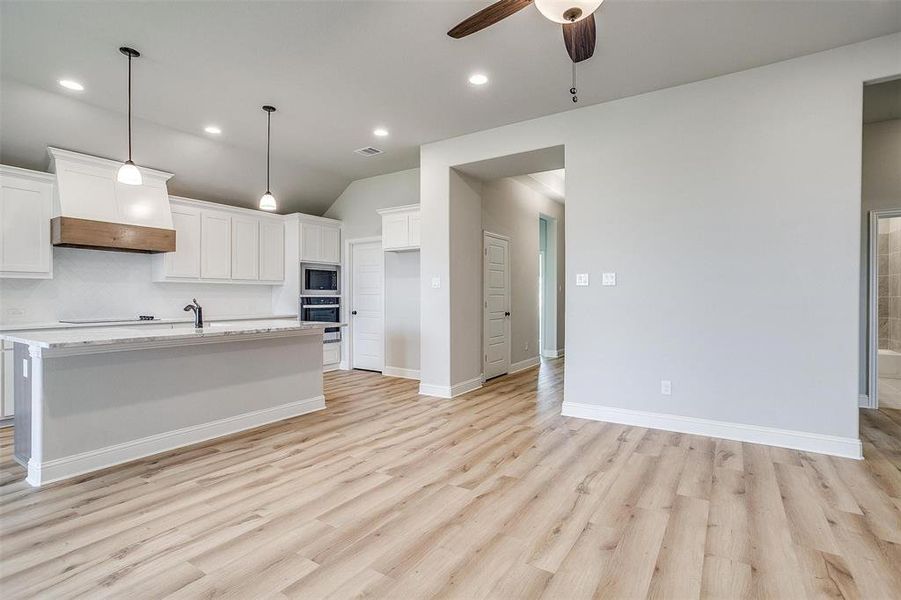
{"type": "Point", "coordinates": [880, 189]}
{"type": "Point", "coordinates": [97, 284]}
{"type": "Point", "coordinates": [512, 209]}
{"type": "Point", "coordinates": [402, 311]}
{"type": "Point", "coordinates": [730, 211]}
{"type": "Point", "coordinates": [357, 205]}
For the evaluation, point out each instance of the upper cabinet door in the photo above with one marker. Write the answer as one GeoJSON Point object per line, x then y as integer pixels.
{"type": "Point", "coordinates": [414, 227]}
{"type": "Point", "coordinates": [215, 254]}
{"type": "Point", "coordinates": [310, 242]}
{"type": "Point", "coordinates": [245, 248]}
{"type": "Point", "coordinates": [272, 250]}
{"type": "Point", "coordinates": [25, 206]}
{"type": "Point", "coordinates": [185, 261]}
{"type": "Point", "coordinates": [331, 244]}
{"type": "Point", "coordinates": [395, 231]}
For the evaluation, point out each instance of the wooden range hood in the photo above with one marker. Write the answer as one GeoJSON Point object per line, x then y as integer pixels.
{"type": "Point", "coordinates": [70, 232]}
{"type": "Point", "coordinates": [93, 210]}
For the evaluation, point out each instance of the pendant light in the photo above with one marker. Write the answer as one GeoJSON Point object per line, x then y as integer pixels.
{"type": "Point", "coordinates": [267, 202]}
{"type": "Point", "coordinates": [128, 172]}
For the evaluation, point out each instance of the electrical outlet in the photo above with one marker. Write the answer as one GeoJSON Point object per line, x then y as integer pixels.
{"type": "Point", "coordinates": [608, 279]}
{"type": "Point", "coordinates": [581, 279]}
{"type": "Point", "coordinates": [436, 282]}
{"type": "Point", "coordinates": [666, 387]}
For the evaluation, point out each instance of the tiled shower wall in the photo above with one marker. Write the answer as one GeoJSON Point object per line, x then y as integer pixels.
{"type": "Point", "coordinates": [889, 272]}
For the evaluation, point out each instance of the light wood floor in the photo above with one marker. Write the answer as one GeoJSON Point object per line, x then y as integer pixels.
{"type": "Point", "coordinates": [388, 494]}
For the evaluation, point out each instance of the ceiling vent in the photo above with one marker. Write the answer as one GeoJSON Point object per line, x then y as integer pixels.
{"type": "Point", "coordinates": [368, 151]}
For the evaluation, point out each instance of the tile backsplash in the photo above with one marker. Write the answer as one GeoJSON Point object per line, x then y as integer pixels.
{"type": "Point", "coordinates": [92, 284]}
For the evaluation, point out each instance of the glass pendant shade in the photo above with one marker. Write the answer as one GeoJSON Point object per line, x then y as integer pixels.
{"type": "Point", "coordinates": [267, 202]}
{"type": "Point", "coordinates": [129, 174]}
{"type": "Point", "coordinates": [567, 11]}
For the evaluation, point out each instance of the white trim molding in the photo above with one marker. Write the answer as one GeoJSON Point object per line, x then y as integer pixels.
{"type": "Point", "coordinates": [399, 372]}
{"type": "Point", "coordinates": [863, 401]}
{"type": "Point", "coordinates": [769, 436]}
{"type": "Point", "coordinates": [549, 353]}
{"type": "Point", "coordinates": [443, 391]}
{"type": "Point", "coordinates": [41, 473]}
{"type": "Point", "coordinates": [524, 364]}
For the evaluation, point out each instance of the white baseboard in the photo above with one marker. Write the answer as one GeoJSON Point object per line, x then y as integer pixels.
{"type": "Point", "coordinates": [524, 364]}
{"type": "Point", "coordinates": [547, 353]}
{"type": "Point", "coordinates": [443, 391]}
{"type": "Point", "coordinates": [402, 373]}
{"type": "Point", "coordinates": [93, 460]}
{"type": "Point", "coordinates": [770, 436]}
{"type": "Point", "coordinates": [863, 401]}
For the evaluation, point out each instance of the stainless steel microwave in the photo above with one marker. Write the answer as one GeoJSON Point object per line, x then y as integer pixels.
{"type": "Point", "coordinates": [320, 280]}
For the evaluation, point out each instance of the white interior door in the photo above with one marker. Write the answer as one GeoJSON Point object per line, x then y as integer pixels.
{"type": "Point", "coordinates": [366, 306]}
{"type": "Point", "coordinates": [496, 311]}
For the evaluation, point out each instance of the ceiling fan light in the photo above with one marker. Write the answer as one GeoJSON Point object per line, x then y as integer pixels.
{"type": "Point", "coordinates": [129, 174]}
{"type": "Point", "coordinates": [567, 11]}
{"type": "Point", "coordinates": [267, 202]}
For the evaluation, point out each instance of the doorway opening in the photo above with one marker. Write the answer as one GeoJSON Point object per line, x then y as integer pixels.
{"type": "Point", "coordinates": [881, 247]}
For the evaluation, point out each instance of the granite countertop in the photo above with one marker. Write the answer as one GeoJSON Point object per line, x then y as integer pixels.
{"type": "Point", "coordinates": [5, 327]}
{"type": "Point", "coordinates": [155, 331]}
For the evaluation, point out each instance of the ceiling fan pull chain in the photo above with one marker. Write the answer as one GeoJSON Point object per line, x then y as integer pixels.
{"type": "Point", "coordinates": [572, 90]}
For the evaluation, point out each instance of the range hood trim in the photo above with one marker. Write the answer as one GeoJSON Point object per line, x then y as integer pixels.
{"type": "Point", "coordinates": [69, 232]}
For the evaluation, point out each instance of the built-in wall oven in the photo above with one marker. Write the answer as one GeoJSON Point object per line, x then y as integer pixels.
{"type": "Point", "coordinates": [320, 280]}
{"type": "Point", "coordinates": [324, 309]}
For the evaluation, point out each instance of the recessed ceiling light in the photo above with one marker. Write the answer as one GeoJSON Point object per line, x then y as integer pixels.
{"type": "Point", "coordinates": [380, 132]}
{"type": "Point", "coordinates": [212, 129]}
{"type": "Point", "coordinates": [478, 79]}
{"type": "Point", "coordinates": [71, 85]}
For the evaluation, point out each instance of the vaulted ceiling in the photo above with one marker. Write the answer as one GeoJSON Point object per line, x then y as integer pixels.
{"type": "Point", "coordinates": [336, 70]}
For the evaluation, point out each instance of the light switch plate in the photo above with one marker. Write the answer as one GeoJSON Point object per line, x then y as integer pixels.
{"type": "Point", "coordinates": [436, 282]}
{"type": "Point", "coordinates": [581, 279]}
{"type": "Point", "coordinates": [608, 279]}
{"type": "Point", "coordinates": [666, 387]}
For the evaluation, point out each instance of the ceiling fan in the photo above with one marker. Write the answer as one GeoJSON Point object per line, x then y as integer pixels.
{"type": "Point", "coordinates": [577, 17]}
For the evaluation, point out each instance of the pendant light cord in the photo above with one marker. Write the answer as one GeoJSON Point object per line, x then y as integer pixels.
{"type": "Point", "coordinates": [129, 107]}
{"type": "Point", "coordinates": [268, 144]}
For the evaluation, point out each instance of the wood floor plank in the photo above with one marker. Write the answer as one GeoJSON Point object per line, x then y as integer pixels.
{"type": "Point", "coordinates": [389, 494]}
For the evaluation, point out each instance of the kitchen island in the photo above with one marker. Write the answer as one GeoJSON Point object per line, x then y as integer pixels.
{"type": "Point", "coordinates": [89, 398]}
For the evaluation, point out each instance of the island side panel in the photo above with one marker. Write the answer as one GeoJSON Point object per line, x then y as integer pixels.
{"type": "Point", "coordinates": [22, 399]}
{"type": "Point", "coordinates": [107, 408]}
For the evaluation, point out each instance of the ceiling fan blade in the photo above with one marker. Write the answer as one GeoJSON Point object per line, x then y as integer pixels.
{"type": "Point", "coordinates": [488, 16]}
{"type": "Point", "coordinates": [580, 38]}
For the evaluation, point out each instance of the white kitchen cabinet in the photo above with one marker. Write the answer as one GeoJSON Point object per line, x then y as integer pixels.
{"type": "Point", "coordinates": [272, 250]}
{"type": "Point", "coordinates": [222, 244]}
{"type": "Point", "coordinates": [401, 227]}
{"type": "Point", "coordinates": [185, 261]}
{"type": "Point", "coordinates": [310, 242]}
{"type": "Point", "coordinates": [330, 245]}
{"type": "Point", "coordinates": [245, 246]}
{"type": "Point", "coordinates": [331, 356]}
{"type": "Point", "coordinates": [26, 200]}
{"type": "Point", "coordinates": [6, 382]}
{"type": "Point", "coordinates": [320, 242]}
{"type": "Point", "coordinates": [215, 246]}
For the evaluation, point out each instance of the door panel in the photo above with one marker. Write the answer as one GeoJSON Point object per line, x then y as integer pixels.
{"type": "Point", "coordinates": [331, 245]}
{"type": "Point", "coordinates": [245, 248]}
{"type": "Point", "coordinates": [367, 300]}
{"type": "Point", "coordinates": [496, 327]}
{"type": "Point", "coordinates": [215, 243]}
{"type": "Point", "coordinates": [272, 251]}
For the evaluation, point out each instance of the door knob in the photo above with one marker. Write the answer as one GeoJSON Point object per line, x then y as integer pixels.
{"type": "Point", "coordinates": [507, 314]}
{"type": "Point", "coordinates": [353, 312]}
